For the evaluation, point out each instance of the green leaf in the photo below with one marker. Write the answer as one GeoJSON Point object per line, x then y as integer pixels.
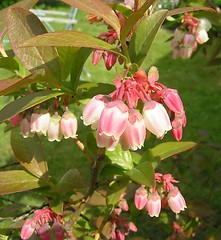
{"type": "Point", "coordinates": [120, 158]}
{"type": "Point", "coordinates": [143, 174]}
{"type": "Point", "coordinates": [69, 39]}
{"type": "Point", "coordinates": [168, 149]}
{"type": "Point", "coordinates": [144, 35]}
{"type": "Point", "coordinates": [98, 8]}
{"type": "Point", "coordinates": [27, 4]}
{"type": "Point", "coordinates": [18, 181]}
{"type": "Point", "coordinates": [11, 210]}
{"type": "Point", "coordinates": [120, 8]}
{"type": "Point", "coordinates": [26, 102]}
{"type": "Point", "coordinates": [13, 84]}
{"type": "Point", "coordinates": [27, 25]}
{"type": "Point", "coordinates": [214, 50]}
{"type": "Point", "coordinates": [188, 9]}
{"type": "Point", "coordinates": [133, 19]}
{"type": "Point", "coordinates": [57, 206]}
{"type": "Point", "coordinates": [9, 63]}
{"type": "Point", "coordinates": [29, 152]}
{"type": "Point", "coordinates": [72, 61]}
{"type": "Point", "coordinates": [71, 181]}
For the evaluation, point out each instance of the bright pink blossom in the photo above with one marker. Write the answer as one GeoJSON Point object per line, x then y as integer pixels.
{"type": "Point", "coordinates": [112, 124]}
{"type": "Point", "coordinates": [153, 205]}
{"type": "Point", "coordinates": [156, 118]}
{"type": "Point", "coordinates": [28, 229]}
{"type": "Point", "coordinates": [140, 198]}
{"type": "Point", "coordinates": [135, 132]}
{"type": "Point", "coordinates": [58, 231]}
{"type": "Point", "coordinates": [176, 201]}
{"type": "Point", "coordinates": [69, 125]}
{"type": "Point", "coordinates": [92, 111]}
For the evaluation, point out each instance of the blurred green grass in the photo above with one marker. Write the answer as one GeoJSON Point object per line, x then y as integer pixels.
{"type": "Point", "coordinates": [200, 89]}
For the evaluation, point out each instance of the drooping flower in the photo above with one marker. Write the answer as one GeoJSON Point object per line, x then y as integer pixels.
{"type": "Point", "coordinates": [40, 122]}
{"type": "Point", "coordinates": [25, 128]}
{"type": "Point", "coordinates": [156, 118]}
{"type": "Point", "coordinates": [153, 204]}
{"type": "Point", "coordinates": [54, 129]}
{"type": "Point", "coordinates": [68, 125]}
{"type": "Point", "coordinates": [140, 198]}
{"type": "Point", "coordinates": [28, 229]}
{"type": "Point", "coordinates": [176, 201]}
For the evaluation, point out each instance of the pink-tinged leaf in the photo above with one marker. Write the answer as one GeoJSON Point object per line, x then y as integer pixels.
{"type": "Point", "coordinates": [133, 19]}
{"type": "Point", "coordinates": [29, 152]}
{"type": "Point", "coordinates": [18, 181]}
{"type": "Point", "coordinates": [26, 102]}
{"type": "Point", "coordinates": [23, 25]}
{"type": "Point", "coordinates": [98, 8]}
{"type": "Point", "coordinates": [188, 9]}
{"type": "Point", "coordinates": [69, 39]}
{"type": "Point", "coordinates": [144, 35]}
{"type": "Point", "coordinates": [27, 4]}
{"type": "Point", "coordinates": [13, 84]}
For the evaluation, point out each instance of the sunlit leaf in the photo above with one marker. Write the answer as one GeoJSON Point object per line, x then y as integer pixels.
{"type": "Point", "coordinates": [188, 9]}
{"type": "Point", "coordinates": [26, 102]}
{"type": "Point", "coordinates": [143, 173]}
{"type": "Point", "coordinates": [27, 4]}
{"type": "Point", "coordinates": [120, 158]}
{"type": "Point", "coordinates": [18, 181]}
{"type": "Point", "coordinates": [98, 8]}
{"type": "Point", "coordinates": [121, 8]}
{"type": "Point", "coordinates": [69, 39]}
{"type": "Point", "coordinates": [29, 152]}
{"type": "Point", "coordinates": [9, 63]}
{"type": "Point", "coordinates": [13, 84]}
{"type": "Point", "coordinates": [144, 35]}
{"type": "Point", "coordinates": [27, 25]}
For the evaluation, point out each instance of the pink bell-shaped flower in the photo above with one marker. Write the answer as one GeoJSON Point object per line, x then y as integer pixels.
{"type": "Point", "coordinates": [202, 36]}
{"type": "Point", "coordinates": [28, 229]}
{"type": "Point", "coordinates": [58, 231]}
{"type": "Point", "coordinates": [178, 34]}
{"type": "Point", "coordinates": [44, 232]}
{"type": "Point", "coordinates": [69, 125]}
{"type": "Point", "coordinates": [92, 111]}
{"type": "Point", "coordinates": [140, 198]}
{"type": "Point", "coordinates": [135, 132]}
{"type": "Point", "coordinates": [156, 118]}
{"type": "Point", "coordinates": [185, 52]}
{"type": "Point", "coordinates": [172, 99]}
{"type": "Point", "coordinates": [54, 129]}
{"type": "Point", "coordinates": [189, 40]}
{"type": "Point", "coordinates": [204, 24]}
{"type": "Point", "coordinates": [153, 205]}
{"type": "Point", "coordinates": [40, 122]}
{"type": "Point", "coordinates": [112, 124]}
{"type": "Point", "coordinates": [15, 120]}
{"type": "Point", "coordinates": [176, 201]}
{"type": "Point", "coordinates": [97, 54]}
{"type": "Point", "coordinates": [25, 128]}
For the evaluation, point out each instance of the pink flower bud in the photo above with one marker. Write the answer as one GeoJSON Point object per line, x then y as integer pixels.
{"type": "Point", "coordinates": [44, 232]}
{"type": "Point", "coordinates": [58, 231]}
{"type": "Point", "coordinates": [15, 120]}
{"type": "Point", "coordinates": [25, 128]}
{"type": "Point", "coordinates": [178, 34]}
{"type": "Point", "coordinates": [202, 36]}
{"type": "Point", "coordinates": [140, 198]}
{"type": "Point", "coordinates": [93, 110]}
{"type": "Point", "coordinates": [172, 99]}
{"type": "Point", "coordinates": [28, 229]}
{"type": "Point", "coordinates": [69, 125]}
{"type": "Point", "coordinates": [97, 56]}
{"type": "Point", "coordinates": [135, 132]}
{"type": "Point", "coordinates": [112, 124]}
{"type": "Point", "coordinates": [40, 122]}
{"type": "Point", "coordinates": [123, 205]}
{"type": "Point", "coordinates": [176, 201]}
{"type": "Point", "coordinates": [109, 59]}
{"type": "Point", "coordinates": [153, 75]}
{"type": "Point", "coordinates": [132, 227]}
{"type": "Point", "coordinates": [54, 129]}
{"type": "Point", "coordinates": [153, 205]}
{"type": "Point", "coordinates": [188, 40]}
{"type": "Point", "coordinates": [186, 52]}
{"type": "Point", "coordinates": [156, 118]}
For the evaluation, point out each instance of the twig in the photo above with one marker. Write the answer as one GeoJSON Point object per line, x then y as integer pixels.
{"type": "Point", "coordinates": [82, 148]}
{"type": "Point", "coordinates": [9, 165]}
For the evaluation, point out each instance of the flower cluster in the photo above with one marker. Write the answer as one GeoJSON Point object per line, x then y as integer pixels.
{"type": "Point", "coordinates": [164, 193]}
{"type": "Point", "coordinates": [120, 227]}
{"type": "Point", "coordinates": [192, 32]}
{"type": "Point", "coordinates": [117, 117]}
{"type": "Point", "coordinates": [110, 37]}
{"type": "Point", "coordinates": [41, 122]}
{"type": "Point", "coordinates": [39, 225]}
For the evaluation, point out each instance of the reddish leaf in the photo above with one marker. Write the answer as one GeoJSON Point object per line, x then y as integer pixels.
{"type": "Point", "coordinates": [98, 8]}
